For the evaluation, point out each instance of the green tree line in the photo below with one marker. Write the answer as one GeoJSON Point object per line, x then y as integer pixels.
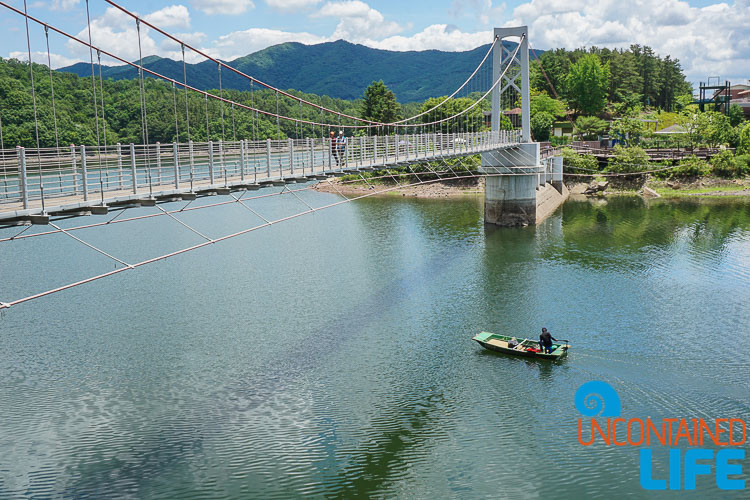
{"type": "Point", "coordinates": [624, 77]}
{"type": "Point", "coordinates": [166, 117]}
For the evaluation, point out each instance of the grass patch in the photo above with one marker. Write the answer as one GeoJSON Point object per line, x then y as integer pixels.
{"type": "Point", "coordinates": [707, 190]}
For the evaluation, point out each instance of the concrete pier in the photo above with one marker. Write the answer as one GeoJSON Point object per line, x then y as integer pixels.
{"type": "Point", "coordinates": [523, 190]}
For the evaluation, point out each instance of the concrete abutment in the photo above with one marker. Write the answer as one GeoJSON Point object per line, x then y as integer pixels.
{"type": "Point", "coordinates": [520, 189]}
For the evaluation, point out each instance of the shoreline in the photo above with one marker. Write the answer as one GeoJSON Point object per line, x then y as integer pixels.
{"type": "Point", "coordinates": [441, 189]}
{"type": "Point", "coordinates": [704, 188]}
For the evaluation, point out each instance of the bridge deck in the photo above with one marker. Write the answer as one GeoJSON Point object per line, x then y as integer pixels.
{"type": "Point", "coordinates": [49, 181]}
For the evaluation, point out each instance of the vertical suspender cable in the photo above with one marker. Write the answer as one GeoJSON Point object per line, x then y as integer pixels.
{"type": "Point", "coordinates": [2, 156]}
{"type": "Point", "coordinates": [254, 115]}
{"type": "Point", "coordinates": [142, 86]}
{"type": "Point", "coordinates": [208, 135]}
{"type": "Point", "coordinates": [144, 112]}
{"type": "Point", "coordinates": [234, 126]}
{"type": "Point", "coordinates": [176, 126]}
{"type": "Point", "coordinates": [52, 94]}
{"type": "Point", "coordinates": [33, 98]}
{"type": "Point", "coordinates": [93, 88]}
{"type": "Point", "coordinates": [278, 129]}
{"type": "Point", "coordinates": [104, 120]}
{"type": "Point", "coordinates": [221, 95]}
{"type": "Point", "coordinates": [184, 78]}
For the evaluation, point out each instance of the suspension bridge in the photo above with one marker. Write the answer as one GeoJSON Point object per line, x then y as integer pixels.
{"type": "Point", "coordinates": [41, 182]}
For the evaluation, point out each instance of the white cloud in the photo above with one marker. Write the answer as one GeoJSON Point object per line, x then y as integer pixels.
{"type": "Point", "coordinates": [57, 60]}
{"type": "Point", "coordinates": [174, 16]}
{"type": "Point", "coordinates": [713, 40]}
{"type": "Point", "coordinates": [292, 5]}
{"type": "Point", "coordinates": [485, 10]}
{"type": "Point", "coordinates": [63, 4]}
{"type": "Point", "coordinates": [358, 21]}
{"type": "Point", "coordinates": [114, 31]}
{"type": "Point", "coordinates": [227, 7]}
{"type": "Point", "coordinates": [437, 36]}
{"type": "Point", "coordinates": [710, 40]}
{"type": "Point", "coordinates": [241, 43]}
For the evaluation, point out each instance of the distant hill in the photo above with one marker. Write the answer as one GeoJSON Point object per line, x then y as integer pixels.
{"type": "Point", "coordinates": [337, 69]}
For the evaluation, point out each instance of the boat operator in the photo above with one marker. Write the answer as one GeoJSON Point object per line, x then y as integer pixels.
{"type": "Point", "coordinates": [545, 341]}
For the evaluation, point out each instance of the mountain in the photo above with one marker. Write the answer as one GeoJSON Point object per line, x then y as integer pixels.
{"type": "Point", "coordinates": [338, 69]}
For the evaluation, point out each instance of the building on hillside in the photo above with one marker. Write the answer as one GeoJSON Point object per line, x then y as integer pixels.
{"type": "Point", "coordinates": [740, 95]}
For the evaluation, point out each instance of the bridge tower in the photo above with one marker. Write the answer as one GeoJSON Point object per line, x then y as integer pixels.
{"type": "Point", "coordinates": [524, 189]}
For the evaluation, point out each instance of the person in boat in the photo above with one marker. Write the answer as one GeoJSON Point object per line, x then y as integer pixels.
{"type": "Point", "coordinates": [545, 341]}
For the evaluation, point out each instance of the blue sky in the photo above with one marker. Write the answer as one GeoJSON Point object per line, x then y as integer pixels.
{"type": "Point", "coordinates": [710, 38]}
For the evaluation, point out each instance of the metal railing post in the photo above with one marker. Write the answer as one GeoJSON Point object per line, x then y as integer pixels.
{"type": "Point", "coordinates": [398, 146]}
{"type": "Point", "coordinates": [192, 164]}
{"type": "Point", "coordinates": [268, 157]}
{"type": "Point", "coordinates": [222, 165]}
{"type": "Point", "coordinates": [73, 164]}
{"type": "Point", "coordinates": [133, 169]}
{"type": "Point", "coordinates": [312, 156]}
{"type": "Point", "coordinates": [374, 149]}
{"type": "Point", "coordinates": [176, 156]}
{"type": "Point", "coordinates": [243, 159]}
{"type": "Point", "coordinates": [211, 162]}
{"type": "Point", "coordinates": [158, 163]}
{"type": "Point", "coordinates": [361, 151]}
{"type": "Point", "coordinates": [291, 155]}
{"type": "Point", "coordinates": [84, 174]}
{"type": "Point", "coordinates": [119, 164]}
{"type": "Point", "coordinates": [22, 176]}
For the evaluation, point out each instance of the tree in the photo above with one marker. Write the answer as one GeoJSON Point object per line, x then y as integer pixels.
{"type": "Point", "coordinates": [574, 163]}
{"type": "Point", "coordinates": [587, 84]}
{"type": "Point", "coordinates": [541, 125]}
{"type": "Point", "coordinates": [555, 64]}
{"type": "Point", "coordinates": [541, 102]}
{"type": "Point", "coordinates": [628, 160]}
{"type": "Point", "coordinates": [736, 115]}
{"type": "Point", "coordinates": [590, 127]}
{"type": "Point", "coordinates": [630, 128]}
{"type": "Point", "coordinates": [470, 120]}
{"type": "Point", "coordinates": [710, 128]}
{"type": "Point", "coordinates": [379, 104]}
{"type": "Point", "coordinates": [744, 142]}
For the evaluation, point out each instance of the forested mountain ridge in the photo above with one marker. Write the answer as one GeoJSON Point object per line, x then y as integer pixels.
{"type": "Point", "coordinates": [338, 69]}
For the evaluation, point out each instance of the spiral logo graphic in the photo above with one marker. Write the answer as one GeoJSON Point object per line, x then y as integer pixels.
{"type": "Point", "coordinates": [597, 398]}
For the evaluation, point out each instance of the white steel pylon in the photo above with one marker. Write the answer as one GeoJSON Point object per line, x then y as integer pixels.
{"type": "Point", "coordinates": [501, 58]}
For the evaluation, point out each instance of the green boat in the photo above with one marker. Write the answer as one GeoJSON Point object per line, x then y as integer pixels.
{"type": "Point", "coordinates": [517, 347]}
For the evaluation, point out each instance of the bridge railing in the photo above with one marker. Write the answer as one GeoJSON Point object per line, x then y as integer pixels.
{"type": "Point", "coordinates": [29, 177]}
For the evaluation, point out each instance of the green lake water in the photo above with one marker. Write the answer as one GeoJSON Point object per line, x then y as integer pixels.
{"type": "Point", "coordinates": [331, 355]}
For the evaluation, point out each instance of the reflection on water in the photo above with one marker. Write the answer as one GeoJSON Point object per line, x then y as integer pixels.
{"type": "Point", "coordinates": [331, 355]}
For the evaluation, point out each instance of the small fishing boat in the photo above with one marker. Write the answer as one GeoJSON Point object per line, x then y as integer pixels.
{"type": "Point", "coordinates": [518, 347]}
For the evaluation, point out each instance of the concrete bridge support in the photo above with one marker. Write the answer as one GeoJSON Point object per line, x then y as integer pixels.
{"type": "Point", "coordinates": [518, 191]}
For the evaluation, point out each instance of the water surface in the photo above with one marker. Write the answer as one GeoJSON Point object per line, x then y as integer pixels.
{"type": "Point", "coordinates": [330, 355]}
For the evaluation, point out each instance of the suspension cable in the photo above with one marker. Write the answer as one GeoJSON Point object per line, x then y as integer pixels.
{"type": "Point", "coordinates": [33, 97]}
{"type": "Point", "coordinates": [6, 305]}
{"type": "Point", "coordinates": [187, 87]}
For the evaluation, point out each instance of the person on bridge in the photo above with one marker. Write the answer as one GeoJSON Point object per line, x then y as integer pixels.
{"type": "Point", "coordinates": [334, 148]}
{"type": "Point", "coordinates": [545, 341]}
{"type": "Point", "coordinates": [341, 146]}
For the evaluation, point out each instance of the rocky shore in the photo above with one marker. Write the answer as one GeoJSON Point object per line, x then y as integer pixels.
{"type": "Point", "coordinates": [440, 189]}
{"type": "Point", "coordinates": [475, 186]}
